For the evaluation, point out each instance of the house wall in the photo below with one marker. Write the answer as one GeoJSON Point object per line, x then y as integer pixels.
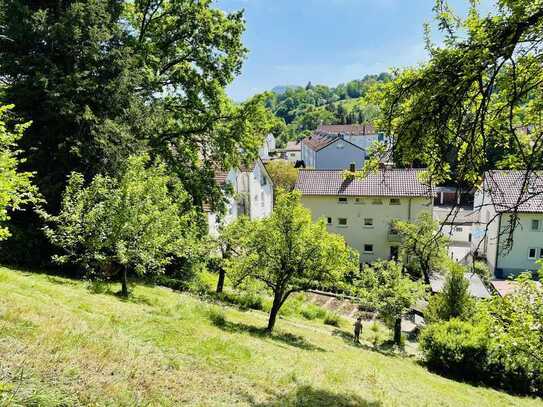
{"type": "Point", "coordinates": [339, 155]}
{"type": "Point", "coordinates": [308, 156]}
{"type": "Point", "coordinates": [258, 188]}
{"type": "Point", "coordinates": [458, 232]}
{"type": "Point", "coordinates": [517, 260]}
{"type": "Point", "coordinates": [292, 156]}
{"type": "Point", "coordinates": [214, 220]}
{"type": "Point", "coordinates": [356, 234]}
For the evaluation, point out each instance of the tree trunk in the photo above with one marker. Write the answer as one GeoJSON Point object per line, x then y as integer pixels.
{"type": "Point", "coordinates": [124, 282]}
{"type": "Point", "coordinates": [398, 331]}
{"type": "Point", "coordinates": [274, 311]}
{"type": "Point", "coordinates": [220, 283]}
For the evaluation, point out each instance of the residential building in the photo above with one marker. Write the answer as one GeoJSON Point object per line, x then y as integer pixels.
{"type": "Point", "coordinates": [251, 195]}
{"type": "Point", "coordinates": [506, 199]}
{"type": "Point", "coordinates": [362, 210]}
{"type": "Point", "coordinates": [292, 152]}
{"type": "Point", "coordinates": [268, 148]}
{"type": "Point", "coordinates": [457, 224]}
{"type": "Point", "coordinates": [337, 146]}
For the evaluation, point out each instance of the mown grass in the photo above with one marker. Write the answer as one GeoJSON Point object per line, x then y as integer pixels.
{"type": "Point", "coordinates": [65, 342]}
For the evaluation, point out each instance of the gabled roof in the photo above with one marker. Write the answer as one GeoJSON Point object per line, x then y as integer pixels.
{"type": "Point", "coordinates": [318, 142]}
{"type": "Point", "coordinates": [356, 129]}
{"type": "Point", "coordinates": [476, 286]}
{"type": "Point", "coordinates": [387, 182]}
{"type": "Point", "coordinates": [515, 190]}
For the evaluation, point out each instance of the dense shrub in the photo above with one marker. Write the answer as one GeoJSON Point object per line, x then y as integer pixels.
{"type": "Point", "coordinates": [332, 319]}
{"type": "Point", "coordinates": [456, 347]}
{"type": "Point", "coordinates": [216, 316]}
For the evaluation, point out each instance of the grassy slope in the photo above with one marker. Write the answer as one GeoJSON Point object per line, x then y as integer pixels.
{"type": "Point", "coordinates": [62, 345]}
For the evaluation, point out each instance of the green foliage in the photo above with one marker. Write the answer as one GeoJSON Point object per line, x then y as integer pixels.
{"type": "Point", "coordinates": [423, 248]}
{"type": "Point", "coordinates": [384, 287]}
{"type": "Point", "coordinates": [475, 105]}
{"type": "Point", "coordinates": [456, 346]}
{"type": "Point", "coordinates": [216, 316]}
{"type": "Point", "coordinates": [501, 344]}
{"type": "Point", "coordinates": [455, 301]}
{"type": "Point", "coordinates": [482, 270]}
{"type": "Point", "coordinates": [115, 79]}
{"type": "Point", "coordinates": [16, 189]}
{"type": "Point", "coordinates": [289, 253]}
{"type": "Point", "coordinates": [283, 174]}
{"type": "Point", "coordinates": [136, 222]}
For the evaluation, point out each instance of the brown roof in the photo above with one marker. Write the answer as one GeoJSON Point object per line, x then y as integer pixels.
{"type": "Point", "coordinates": [514, 190]}
{"type": "Point", "coordinates": [387, 182]}
{"type": "Point", "coordinates": [220, 177]}
{"type": "Point", "coordinates": [293, 146]}
{"type": "Point", "coordinates": [357, 129]}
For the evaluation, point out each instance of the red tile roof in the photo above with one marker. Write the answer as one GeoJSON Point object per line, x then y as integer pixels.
{"type": "Point", "coordinates": [387, 182]}
{"type": "Point", "coordinates": [356, 129]}
{"type": "Point", "coordinates": [509, 191]}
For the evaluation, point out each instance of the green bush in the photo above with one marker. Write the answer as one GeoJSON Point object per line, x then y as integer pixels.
{"type": "Point", "coordinates": [312, 311]}
{"type": "Point", "coordinates": [456, 347]}
{"type": "Point", "coordinates": [332, 319]}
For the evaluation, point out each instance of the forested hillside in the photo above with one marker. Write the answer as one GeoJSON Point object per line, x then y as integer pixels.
{"type": "Point", "coordinates": [304, 108]}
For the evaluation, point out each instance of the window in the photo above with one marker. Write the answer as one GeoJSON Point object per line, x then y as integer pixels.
{"type": "Point", "coordinates": [459, 229]}
{"type": "Point", "coordinates": [541, 253]}
{"type": "Point", "coordinates": [329, 220]}
{"type": "Point", "coordinates": [368, 248]}
{"type": "Point", "coordinates": [532, 253]}
{"type": "Point", "coordinates": [342, 221]}
{"type": "Point", "coordinates": [377, 202]}
{"type": "Point", "coordinates": [342, 200]}
{"type": "Point", "coordinates": [368, 221]}
{"type": "Point", "coordinates": [394, 201]}
{"type": "Point", "coordinates": [263, 180]}
{"type": "Point", "coordinates": [359, 201]}
{"type": "Point", "coordinates": [535, 224]}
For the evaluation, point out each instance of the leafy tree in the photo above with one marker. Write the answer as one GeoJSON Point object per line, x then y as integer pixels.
{"type": "Point", "coordinates": [385, 288]}
{"type": "Point", "coordinates": [134, 223]}
{"type": "Point", "coordinates": [116, 78]}
{"type": "Point", "coordinates": [423, 247]}
{"type": "Point", "coordinates": [227, 245]}
{"type": "Point", "coordinates": [289, 253]}
{"type": "Point", "coordinates": [455, 301]}
{"type": "Point", "coordinates": [283, 174]}
{"type": "Point", "coordinates": [16, 189]}
{"type": "Point", "coordinates": [475, 105]}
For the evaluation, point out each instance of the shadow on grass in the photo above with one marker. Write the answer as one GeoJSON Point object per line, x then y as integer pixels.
{"type": "Point", "coordinates": [312, 397]}
{"type": "Point", "coordinates": [286, 338]}
{"type": "Point", "coordinates": [386, 348]}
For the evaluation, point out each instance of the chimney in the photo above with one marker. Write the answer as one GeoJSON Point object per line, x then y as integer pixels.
{"type": "Point", "coordinates": [352, 167]}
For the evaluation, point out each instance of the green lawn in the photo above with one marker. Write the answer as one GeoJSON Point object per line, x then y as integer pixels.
{"type": "Point", "coordinates": [62, 344]}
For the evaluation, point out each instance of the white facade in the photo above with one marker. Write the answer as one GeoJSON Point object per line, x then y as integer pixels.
{"type": "Point", "coordinates": [491, 235]}
{"type": "Point", "coordinates": [457, 224]}
{"type": "Point", "coordinates": [292, 152]}
{"type": "Point", "coordinates": [365, 221]}
{"type": "Point", "coordinates": [252, 196]}
{"type": "Point", "coordinates": [267, 148]}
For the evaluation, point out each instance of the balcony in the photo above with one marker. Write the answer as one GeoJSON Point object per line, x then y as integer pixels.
{"type": "Point", "coordinates": [393, 236]}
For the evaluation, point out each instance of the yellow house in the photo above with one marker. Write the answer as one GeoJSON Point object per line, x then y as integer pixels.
{"type": "Point", "coordinates": [361, 210]}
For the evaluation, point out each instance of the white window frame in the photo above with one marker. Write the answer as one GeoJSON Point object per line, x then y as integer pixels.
{"type": "Point", "coordinates": [377, 201]}
{"type": "Point", "coordinates": [359, 201]}
{"type": "Point", "coordinates": [372, 248]}
{"type": "Point", "coordinates": [341, 202]}
{"type": "Point", "coordinates": [342, 225]}
{"type": "Point", "coordinates": [538, 225]}
{"type": "Point", "coordinates": [535, 253]}
{"type": "Point", "coordinates": [369, 225]}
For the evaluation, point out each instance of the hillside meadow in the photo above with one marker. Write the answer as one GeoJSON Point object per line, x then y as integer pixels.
{"type": "Point", "coordinates": [67, 342]}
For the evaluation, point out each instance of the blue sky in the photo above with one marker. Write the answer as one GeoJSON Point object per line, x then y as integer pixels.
{"type": "Point", "coordinates": [328, 42]}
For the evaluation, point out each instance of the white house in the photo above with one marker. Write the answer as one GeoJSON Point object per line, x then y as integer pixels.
{"type": "Point", "coordinates": [337, 146]}
{"type": "Point", "coordinates": [362, 210]}
{"type": "Point", "coordinates": [507, 198]}
{"type": "Point", "coordinates": [252, 195]}
{"type": "Point", "coordinates": [292, 152]}
{"type": "Point", "coordinates": [268, 148]}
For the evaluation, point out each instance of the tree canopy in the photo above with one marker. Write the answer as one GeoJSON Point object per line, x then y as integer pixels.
{"type": "Point", "coordinates": [16, 188]}
{"type": "Point", "coordinates": [137, 222]}
{"type": "Point", "coordinates": [289, 253]}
